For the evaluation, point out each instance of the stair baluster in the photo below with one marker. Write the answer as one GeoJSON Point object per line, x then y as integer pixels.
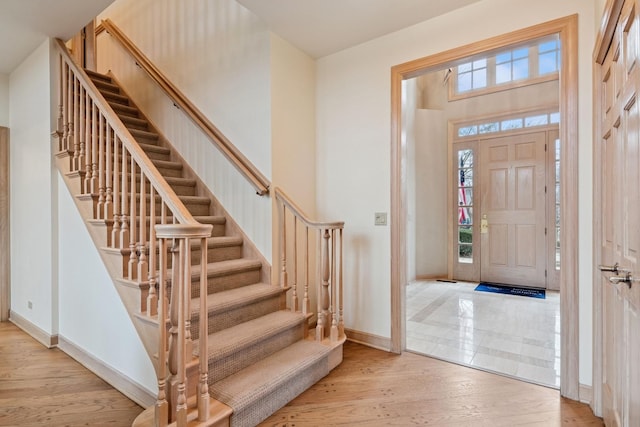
{"type": "Point", "coordinates": [88, 171]}
{"type": "Point", "coordinates": [124, 202]}
{"type": "Point", "coordinates": [341, 289]}
{"type": "Point", "coordinates": [184, 278]}
{"type": "Point", "coordinates": [133, 256]}
{"type": "Point", "coordinates": [142, 242]}
{"type": "Point", "coordinates": [108, 199]}
{"type": "Point", "coordinates": [93, 186]}
{"type": "Point", "coordinates": [161, 413]}
{"type": "Point", "coordinates": [61, 123]}
{"type": "Point", "coordinates": [115, 231]}
{"type": "Point", "coordinates": [294, 286]}
{"type": "Point", "coordinates": [69, 139]}
{"type": "Point", "coordinates": [306, 301]}
{"type": "Point", "coordinates": [101, 171]}
{"type": "Point", "coordinates": [203, 386]}
{"type": "Point", "coordinates": [323, 299]}
{"type": "Point", "coordinates": [81, 123]}
{"type": "Point", "coordinates": [75, 165]}
{"type": "Point", "coordinates": [152, 299]}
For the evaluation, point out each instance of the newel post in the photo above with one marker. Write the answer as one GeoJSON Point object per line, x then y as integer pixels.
{"type": "Point", "coordinates": [175, 410]}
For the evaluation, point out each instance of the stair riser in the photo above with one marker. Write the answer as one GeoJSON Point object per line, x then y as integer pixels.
{"type": "Point", "coordinates": [173, 173]}
{"type": "Point", "coordinates": [194, 208]}
{"type": "Point", "coordinates": [261, 409]}
{"type": "Point", "coordinates": [226, 282]}
{"type": "Point", "coordinates": [229, 281]}
{"type": "Point", "coordinates": [114, 97]}
{"type": "Point", "coordinates": [258, 350]}
{"type": "Point", "coordinates": [250, 311]}
{"type": "Point", "coordinates": [217, 254]}
{"type": "Point", "coordinates": [180, 190]}
{"type": "Point", "coordinates": [130, 124]}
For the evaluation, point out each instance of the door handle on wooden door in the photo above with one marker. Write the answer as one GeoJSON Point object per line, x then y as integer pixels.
{"type": "Point", "coordinates": [626, 277]}
{"type": "Point", "coordinates": [612, 268]}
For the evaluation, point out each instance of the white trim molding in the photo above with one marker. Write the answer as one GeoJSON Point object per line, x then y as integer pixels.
{"type": "Point", "coordinates": [586, 394]}
{"type": "Point", "coordinates": [36, 333]}
{"type": "Point", "coordinates": [125, 385]}
{"type": "Point", "coordinates": [370, 340]}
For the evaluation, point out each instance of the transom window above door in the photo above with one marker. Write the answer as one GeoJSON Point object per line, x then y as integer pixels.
{"type": "Point", "coordinates": [508, 123]}
{"type": "Point", "coordinates": [535, 62]}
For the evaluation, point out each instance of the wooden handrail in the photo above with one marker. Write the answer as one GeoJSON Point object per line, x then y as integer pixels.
{"type": "Point", "coordinates": [244, 166]}
{"type": "Point", "coordinates": [280, 195]}
{"type": "Point", "coordinates": [163, 189]}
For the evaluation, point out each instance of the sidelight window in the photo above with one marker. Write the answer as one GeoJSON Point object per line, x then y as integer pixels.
{"type": "Point", "coordinates": [465, 205]}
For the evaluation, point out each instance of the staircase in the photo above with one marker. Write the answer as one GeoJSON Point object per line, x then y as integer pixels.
{"type": "Point", "coordinates": [229, 331]}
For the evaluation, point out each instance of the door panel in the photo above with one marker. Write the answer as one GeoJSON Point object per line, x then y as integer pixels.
{"type": "Point", "coordinates": [619, 181]}
{"type": "Point", "coordinates": [513, 175]}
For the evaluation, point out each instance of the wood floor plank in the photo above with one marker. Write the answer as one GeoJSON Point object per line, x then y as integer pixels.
{"type": "Point", "coordinates": [41, 387]}
{"type": "Point", "coordinates": [376, 388]}
{"type": "Point", "coordinates": [45, 387]}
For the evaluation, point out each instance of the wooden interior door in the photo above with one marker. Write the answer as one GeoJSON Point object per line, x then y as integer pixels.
{"type": "Point", "coordinates": [618, 169]}
{"type": "Point", "coordinates": [513, 178]}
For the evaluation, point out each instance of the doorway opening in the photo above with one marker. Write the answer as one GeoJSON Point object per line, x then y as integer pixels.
{"type": "Point", "coordinates": [566, 31]}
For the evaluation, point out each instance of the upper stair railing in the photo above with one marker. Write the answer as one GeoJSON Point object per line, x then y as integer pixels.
{"type": "Point", "coordinates": [139, 207]}
{"type": "Point", "coordinates": [296, 232]}
{"type": "Point", "coordinates": [237, 159]}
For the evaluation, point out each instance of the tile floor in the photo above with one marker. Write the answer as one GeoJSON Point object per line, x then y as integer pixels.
{"type": "Point", "coordinates": [511, 335]}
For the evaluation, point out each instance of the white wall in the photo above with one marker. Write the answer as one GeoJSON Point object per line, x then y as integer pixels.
{"type": "Point", "coordinates": [4, 100]}
{"type": "Point", "coordinates": [92, 315]}
{"type": "Point", "coordinates": [432, 247]}
{"type": "Point", "coordinates": [293, 133]}
{"type": "Point", "coordinates": [353, 144]}
{"type": "Point", "coordinates": [33, 193]}
{"type": "Point", "coordinates": [217, 54]}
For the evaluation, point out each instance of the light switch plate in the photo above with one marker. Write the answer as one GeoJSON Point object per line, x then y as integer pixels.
{"type": "Point", "coordinates": [380, 218]}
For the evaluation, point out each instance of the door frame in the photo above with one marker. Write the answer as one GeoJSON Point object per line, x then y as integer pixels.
{"type": "Point", "coordinates": [5, 253]}
{"type": "Point", "coordinates": [611, 14]}
{"type": "Point", "coordinates": [567, 28]}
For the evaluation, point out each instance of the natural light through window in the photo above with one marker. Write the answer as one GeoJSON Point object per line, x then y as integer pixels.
{"type": "Point", "coordinates": [535, 62]}
{"type": "Point", "coordinates": [512, 123]}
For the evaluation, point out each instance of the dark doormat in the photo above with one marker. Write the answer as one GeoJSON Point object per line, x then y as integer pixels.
{"type": "Point", "coordinates": [511, 290]}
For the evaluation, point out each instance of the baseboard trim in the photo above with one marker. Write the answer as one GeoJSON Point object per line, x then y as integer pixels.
{"type": "Point", "coordinates": [585, 394]}
{"type": "Point", "coordinates": [117, 379]}
{"type": "Point", "coordinates": [36, 333]}
{"type": "Point", "coordinates": [371, 340]}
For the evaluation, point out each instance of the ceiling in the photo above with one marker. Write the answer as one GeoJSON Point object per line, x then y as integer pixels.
{"type": "Point", "coordinates": [316, 27]}
{"type": "Point", "coordinates": [25, 24]}
{"type": "Point", "coordinates": [324, 27]}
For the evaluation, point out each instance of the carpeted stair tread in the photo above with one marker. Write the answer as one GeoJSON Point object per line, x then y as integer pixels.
{"type": "Point", "coordinates": [95, 75]}
{"type": "Point", "coordinates": [218, 242]}
{"type": "Point", "coordinates": [234, 339]}
{"type": "Point", "coordinates": [134, 121]}
{"type": "Point", "coordinates": [144, 134]}
{"type": "Point", "coordinates": [103, 85]}
{"type": "Point", "coordinates": [220, 302]}
{"type": "Point", "coordinates": [222, 268]}
{"type": "Point", "coordinates": [123, 109]}
{"type": "Point", "coordinates": [166, 164]}
{"type": "Point", "coordinates": [154, 148]}
{"type": "Point", "coordinates": [210, 219]}
{"type": "Point", "coordinates": [265, 379]}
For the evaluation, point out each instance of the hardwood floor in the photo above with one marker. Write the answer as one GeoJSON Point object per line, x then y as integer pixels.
{"type": "Point", "coordinates": [375, 388]}
{"type": "Point", "coordinates": [41, 387]}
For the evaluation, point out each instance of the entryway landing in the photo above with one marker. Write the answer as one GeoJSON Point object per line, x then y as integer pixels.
{"type": "Point", "coordinates": [510, 335]}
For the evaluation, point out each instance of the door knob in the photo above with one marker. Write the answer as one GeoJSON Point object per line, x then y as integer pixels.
{"type": "Point", "coordinates": [626, 277]}
{"type": "Point", "coordinates": [612, 268]}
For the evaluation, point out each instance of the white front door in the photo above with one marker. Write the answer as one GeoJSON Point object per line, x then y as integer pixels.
{"type": "Point", "coordinates": [513, 209]}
